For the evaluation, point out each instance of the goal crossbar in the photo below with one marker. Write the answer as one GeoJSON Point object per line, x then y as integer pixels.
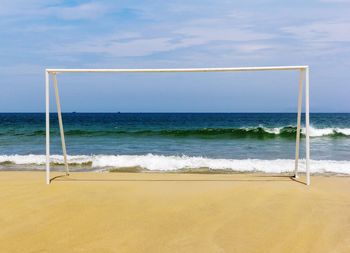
{"type": "Point", "coordinates": [304, 78]}
{"type": "Point", "coordinates": [176, 70]}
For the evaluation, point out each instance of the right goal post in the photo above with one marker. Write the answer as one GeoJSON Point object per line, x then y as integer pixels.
{"type": "Point", "coordinates": [303, 78]}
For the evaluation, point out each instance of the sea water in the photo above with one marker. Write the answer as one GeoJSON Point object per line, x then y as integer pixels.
{"type": "Point", "coordinates": [176, 141]}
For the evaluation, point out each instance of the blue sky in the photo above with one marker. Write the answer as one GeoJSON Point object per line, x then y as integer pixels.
{"type": "Point", "coordinates": [38, 34]}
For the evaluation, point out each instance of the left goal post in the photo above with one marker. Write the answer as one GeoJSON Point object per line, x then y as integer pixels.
{"type": "Point", "coordinates": [303, 78]}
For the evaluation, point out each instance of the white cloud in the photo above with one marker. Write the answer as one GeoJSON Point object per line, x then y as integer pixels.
{"type": "Point", "coordinates": [224, 31]}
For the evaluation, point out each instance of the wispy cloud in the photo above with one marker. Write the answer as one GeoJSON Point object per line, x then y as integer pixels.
{"type": "Point", "coordinates": [40, 9]}
{"type": "Point", "coordinates": [17, 8]}
{"type": "Point", "coordinates": [90, 10]}
{"type": "Point", "coordinates": [112, 46]}
{"type": "Point", "coordinates": [322, 31]}
{"type": "Point", "coordinates": [192, 33]}
{"type": "Point", "coordinates": [229, 28]}
{"type": "Point", "coordinates": [93, 33]}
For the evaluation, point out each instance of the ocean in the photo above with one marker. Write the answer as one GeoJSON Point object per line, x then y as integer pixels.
{"type": "Point", "coordinates": [262, 142]}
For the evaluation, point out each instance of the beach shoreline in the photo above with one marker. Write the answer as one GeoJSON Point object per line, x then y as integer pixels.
{"type": "Point", "coordinates": [57, 169]}
{"type": "Point", "coordinates": [173, 212]}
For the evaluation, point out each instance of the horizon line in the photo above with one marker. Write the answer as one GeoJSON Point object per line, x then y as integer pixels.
{"type": "Point", "coordinates": [125, 112]}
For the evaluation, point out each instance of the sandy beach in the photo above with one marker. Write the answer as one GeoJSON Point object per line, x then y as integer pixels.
{"type": "Point", "coordinates": [150, 212]}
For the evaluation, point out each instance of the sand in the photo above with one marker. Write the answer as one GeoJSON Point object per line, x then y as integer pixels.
{"type": "Point", "coordinates": [144, 212]}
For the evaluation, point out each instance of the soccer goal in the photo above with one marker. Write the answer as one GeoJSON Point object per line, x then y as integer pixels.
{"type": "Point", "coordinates": [304, 78]}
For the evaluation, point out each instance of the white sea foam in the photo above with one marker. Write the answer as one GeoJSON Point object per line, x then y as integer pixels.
{"type": "Point", "coordinates": [275, 130]}
{"type": "Point", "coordinates": [171, 163]}
{"type": "Point", "coordinates": [317, 132]}
{"type": "Point", "coordinates": [314, 132]}
{"type": "Point", "coordinates": [41, 159]}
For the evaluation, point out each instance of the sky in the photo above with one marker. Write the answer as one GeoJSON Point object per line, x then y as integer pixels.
{"type": "Point", "coordinates": [39, 34]}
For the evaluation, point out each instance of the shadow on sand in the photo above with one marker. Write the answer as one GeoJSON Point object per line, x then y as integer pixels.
{"type": "Point", "coordinates": [257, 178]}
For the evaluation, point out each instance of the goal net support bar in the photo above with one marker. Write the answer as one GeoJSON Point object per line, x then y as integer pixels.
{"type": "Point", "coordinates": [304, 78]}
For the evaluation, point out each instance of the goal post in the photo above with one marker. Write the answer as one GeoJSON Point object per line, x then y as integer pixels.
{"type": "Point", "coordinates": [303, 78]}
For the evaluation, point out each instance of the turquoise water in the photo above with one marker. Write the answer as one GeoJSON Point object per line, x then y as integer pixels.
{"type": "Point", "coordinates": [180, 136]}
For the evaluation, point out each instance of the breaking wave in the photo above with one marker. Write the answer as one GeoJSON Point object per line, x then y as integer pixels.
{"type": "Point", "coordinates": [177, 163]}
{"type": "Point", "coordinates": [206, 133]}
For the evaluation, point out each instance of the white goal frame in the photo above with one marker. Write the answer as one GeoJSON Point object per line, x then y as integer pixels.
{"type": "Point", "coordinates": [304, 75]}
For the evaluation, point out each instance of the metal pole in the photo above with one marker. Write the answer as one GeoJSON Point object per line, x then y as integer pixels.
{"type": "Point", "coordinates": [59, 114]}
{"type": "Point", "coordinates": [47, 115]}
{"type": "Point", "coordinates": [300, 101]}
{"type": "Point", "coordinates": [307, 125]}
